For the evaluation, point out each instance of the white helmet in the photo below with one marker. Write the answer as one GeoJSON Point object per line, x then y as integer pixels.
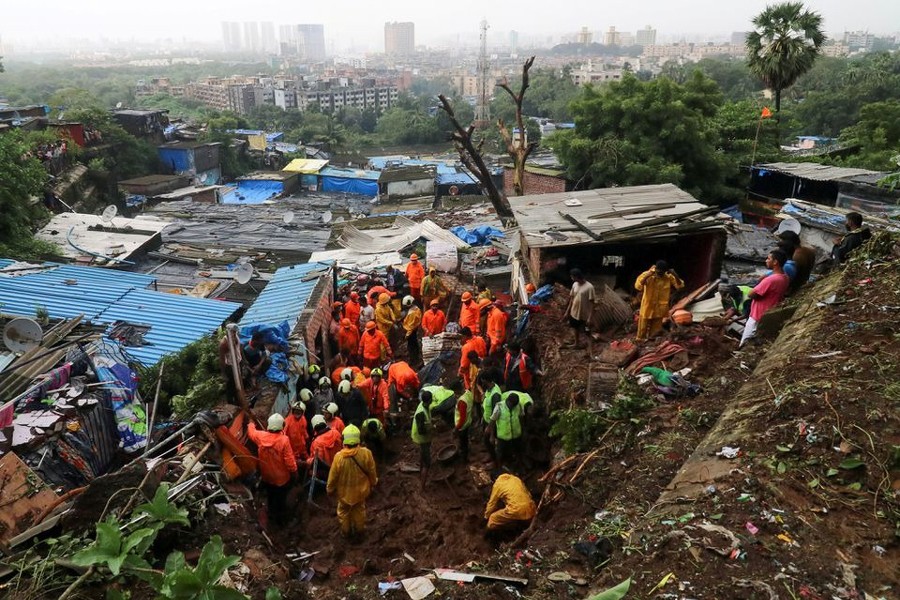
{"type": "Point", "coordinates": [275, 423]}
{"type": "Point", "coordinates": [324, 381]}
{"type": "Point", "coordinates": [347, 374]}
{"type": "Point", "coordinates": [408, 300]}
{"type": "Point", "coordinates": [332, 408]}
{"type": "Point", "coordinates": [317, 420]}
{"type": "Point", "coordinates": [305, 395]}
{"type": "Point", "coordinates": [344, 387]}
{"type": "Point", "coordinates": [298, 405]}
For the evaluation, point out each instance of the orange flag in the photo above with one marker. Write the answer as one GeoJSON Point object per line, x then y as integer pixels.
{"type": "Point", "coordinates": [766, 113]}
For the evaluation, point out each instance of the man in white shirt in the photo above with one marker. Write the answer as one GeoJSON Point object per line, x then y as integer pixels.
{"type": "Point", "coordinates": [581, 304]}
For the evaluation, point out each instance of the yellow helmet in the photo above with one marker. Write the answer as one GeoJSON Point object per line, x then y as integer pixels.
{"type": "Point", "coordinates": [351, 435]}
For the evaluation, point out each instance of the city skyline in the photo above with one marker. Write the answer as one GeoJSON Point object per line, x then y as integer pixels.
{"type": "Point", "coordinates": [350, 24]}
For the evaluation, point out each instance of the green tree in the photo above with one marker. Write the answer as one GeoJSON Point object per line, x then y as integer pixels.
{"type": "Point", "coordinates": [22, 178]}
{"type": "Point", "coordinates": [878, 135]}
{"type": "Point", "coordinates": [635, 133]}
{"type": "Point", "coordinates": [784, 45]}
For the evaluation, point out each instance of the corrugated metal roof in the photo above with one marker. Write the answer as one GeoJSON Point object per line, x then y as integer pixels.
{"type": "Point", "coordinates": [402, 233]}
{"type": "Point", "coordinates": [285, 296]}
{"type": "Point", "coordinates": [349, 173]}
{"type": "Point", "coordinates": [104, 296]}
{"type": "Point", "coordinates": [604, 212]}
{"type": "Point", "coordinates": [5, 262]}
{"type": "Point", "coordinates": [305, 165]}
{"type": "Point", "coordinates": [815, 171]}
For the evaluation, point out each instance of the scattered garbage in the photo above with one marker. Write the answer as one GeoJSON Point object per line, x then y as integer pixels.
{"type": "Point", "coordinates": [386, 586]}
{"type": "Point", "coordinates": [753, 529]}
{"type": "Point", "coordinates": [418, 587]}
{"type": "Point", "coordinates": [728, 452]}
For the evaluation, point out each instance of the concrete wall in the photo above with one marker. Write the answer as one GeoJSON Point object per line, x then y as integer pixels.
{"type": "Point", "coordinates": [418, 187]}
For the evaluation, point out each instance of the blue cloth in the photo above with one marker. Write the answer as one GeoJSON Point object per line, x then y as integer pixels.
{"type": "Point", "coordinates": [790, 269]}
{"type": "Point", "coordinates": [542, 294]}
{"type": "Point", "coordinates": [279, 368]}
{"type": "Point", "coordinates": [272, 334]}
{"type": "Point", "coordinates": [478, 236]}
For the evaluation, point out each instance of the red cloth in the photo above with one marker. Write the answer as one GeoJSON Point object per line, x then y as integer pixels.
{"type": "Point", "coordinates": [660, 353]}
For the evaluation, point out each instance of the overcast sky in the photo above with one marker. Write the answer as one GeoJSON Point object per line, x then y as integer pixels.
{"type": "Point", "coordinates": [362, 23]}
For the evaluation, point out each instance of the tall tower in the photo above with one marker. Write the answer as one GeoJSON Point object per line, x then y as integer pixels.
{"type": "Point", "coordinates": [483, 102]}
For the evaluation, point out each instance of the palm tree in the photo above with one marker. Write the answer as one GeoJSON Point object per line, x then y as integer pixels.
{"type": "Point", "coordinates": [784, 45]}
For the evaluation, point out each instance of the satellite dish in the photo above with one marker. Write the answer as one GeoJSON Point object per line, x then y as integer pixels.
{"type": "Point", "coordinates": [109, 213]}
{"type": "Point", "coordinates": [22, 334]}
{"type": "Point", "coordinates": [326, 216]}
{"type": "Point", "coordinates": [288, 217]}
{"type": "Point", "coordinates": [243, 273]}
{"type": "Point", "coordinates": [118, 105]}
{"type": "Point", "coordinates": [789, 225]}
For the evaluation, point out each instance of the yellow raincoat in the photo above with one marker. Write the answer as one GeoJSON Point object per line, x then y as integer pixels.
{"type": "Point", "coordinates": [351, 479]}
{"type": "Point", "coordinates": [656, 289]}
{"type": "Point", "coordinates": [385, 315]}
{"type": "Point", "coordinates": [433, 287]}
{"type": "Point", "coordinates": [517, 503]}
{"type": "Point", "coordinates": [413, 320]}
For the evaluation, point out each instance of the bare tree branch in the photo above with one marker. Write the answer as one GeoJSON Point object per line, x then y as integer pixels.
{"type": "Point", "coordinates": [518, 152]}
{"type": "Point", "coordinates": [471, 157]}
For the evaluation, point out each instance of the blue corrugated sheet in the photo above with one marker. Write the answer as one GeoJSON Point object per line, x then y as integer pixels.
{"type": "Point", "coordinates": [285, 296]}
{"type": "Point", "coordinates": [454, 178]}
{"type": "Point", "coordinates": [104, 296]}
{"type": "Point", "coordinates": [270, 137]}
{"type": "Point", "coordinates": [5, 262]}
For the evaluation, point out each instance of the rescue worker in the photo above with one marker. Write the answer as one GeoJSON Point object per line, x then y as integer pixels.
{"type": "Point", "coordinates": [434, 320]}
{"type": "Point", "coordinates": [324, 394]}
{"type": "Point", "coordinates": [506, 429]}
{"type": "Point", "coordinates": [374, 346]}
{"type": "Point", "coordinates": [277, 465]}
{"type": "Point", "coordinates": [442, 402]}
{"type": "Point", "coordinates": [351, 479]}
{"type": "Point", "coordinates": [348, 339]}
{"type": "Point", "coordinates": [374, 436]}
{"type": "Point", "coordinates": [484, 293]}
{"type": "Point", "coordinates": [470, 343]}
{"type": "Point", "coordinates": [366, 313]}
{"type": "Point", "coordinates": [484, 305]}
{"type": "Point", "coordinates": [297, 429]}
{"type": "Point", "coordinates": [325, 445]}
{"type": "Point", "coordinates": [311, 379]}
{"type": "Point", "coordinates": [491, 397]}
{"type": "Point", "coordinates": [375, 292]}
{"type": "Point", "coordinates": [656, 285]}
{"type": "Point", "coordinates": [344, 373]}
{"type": "Point", "coordinates": [421, 434]}
{"type": "Point", "coordinates": [415, 274]}
{"type": "Point", "coordinates": [411, 324]}
{"type": "Point", "coordinates": [462, 422]}
{"type": "Point", "coordinates": [469, 313]}
{"type": "Point", "coordinates": [352, 406]}
{"type": "Point", "coordinates": [375, 392]}
{"type": "Point", "coordinates": [518, 369]}
{"type": "Point", "coordinates": [331, 412]}
{"type": "Point", "coordinates": [312, 408]}
{"type": "Point", "coordinates": [433, 288]}
{"type": "Point", "coordinates": [385, 314]}
{"type": "Point", "coordinates": [352, 309]}
{"type": "Point", "coordinates": [518, 505]}
{"type": "Point", "coordinates": [496, 327]}
{"type": "Point", "coordinates": [473, 370]}
{"type": "Point", "coordinates": [403, 383]}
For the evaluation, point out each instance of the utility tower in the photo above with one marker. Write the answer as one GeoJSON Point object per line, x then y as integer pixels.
{"type": "Point", "coordinates": [483, 102]}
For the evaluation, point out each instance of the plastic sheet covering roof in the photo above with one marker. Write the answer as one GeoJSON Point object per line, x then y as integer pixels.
{"type": "Point", "coordinates": [252, 191]}
{"type": "Point", "coordinates": [307, 166]}
{"type": "Point", "coordinates": [401, 234]}
{"type": "Point", "coordinates": [454, 178]}
{"type": "Point", "coordinates": [286, 295]}
{"type": "Point", "coordinates": [349, 173]}
{"type": "Point", "coordinates": [815, 171]}
{"type": "Point", "coordinates": [354, 260]}
{"type": "Point", "coordinates": [105, 296]}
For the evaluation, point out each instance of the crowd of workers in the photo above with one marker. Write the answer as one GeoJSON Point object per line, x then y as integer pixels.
{"type": "Point", "coordinates": [342, 418]}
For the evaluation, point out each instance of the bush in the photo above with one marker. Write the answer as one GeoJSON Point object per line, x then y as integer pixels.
{"type": "Point", "coordinates": [577, 429]}
{"type": "Point", "coordinates": [191, 379]}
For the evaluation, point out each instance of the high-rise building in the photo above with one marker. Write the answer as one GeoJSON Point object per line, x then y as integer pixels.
{"type": "Point", "coordinates": [585, 37]}
{"type": "Point", "coordinates": [267, 37]}
{"type": "Point", "coordinates": [311, 42]}
{"type": "Point", "coordinates": [231, 36]}
{"type": "Point", "coordinates": [251, 36]}
{"type": "Point", "coordinates": [645, 36]}
{"type": "Point", "coordinates": [739, 38]}
{"type": "Point", "coordinates": [612, 37]}
{"type": "Point", "coordinates": [513, 42]}
{"type": "Point", "coordinates": [859, 40]}
{"type": "Point", "coordinates": [399, 39]}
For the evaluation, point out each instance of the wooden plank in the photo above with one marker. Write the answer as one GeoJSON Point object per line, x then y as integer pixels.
{"type": "Point", "coordinates": [23, 495]}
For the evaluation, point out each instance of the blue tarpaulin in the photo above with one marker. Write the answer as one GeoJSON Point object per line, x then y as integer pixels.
{"type": "Point", "coordinates": [478, 236]}
{"type": "Point", "coordinates": [253, 191]}
{"type": "Point", "coordinates": [177, 159]}
{"type": "Point", "coordinates": [365, 187]}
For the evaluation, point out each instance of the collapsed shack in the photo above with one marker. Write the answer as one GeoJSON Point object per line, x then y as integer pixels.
{"type": "Point", "coordinates": [614, 234]}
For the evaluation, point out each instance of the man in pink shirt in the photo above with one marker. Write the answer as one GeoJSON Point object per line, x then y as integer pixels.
{"type": "Point", "coordinates": [767, 293]}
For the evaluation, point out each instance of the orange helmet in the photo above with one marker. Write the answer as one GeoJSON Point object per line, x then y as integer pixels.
{"type": "Point", "coordinates": [370, 325]}
{"type": "Point", "coordinates": [466, 296]}
{"type": "Point", "coordinates": [383, 298]}
{"type": "Point", "coordinates": [413, 256]}
{"type": "Point", "coordinates": [354, 295]}
{"type": "Point", "coordinates": [529, 287]}
{"type": "Point", "coordinates": [346, 323]}
{"type": "Point", "coordinates": [484, 302]}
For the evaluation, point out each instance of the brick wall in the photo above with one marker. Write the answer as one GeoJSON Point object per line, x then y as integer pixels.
{"type": "Point", "coordinates": [534, 184]}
